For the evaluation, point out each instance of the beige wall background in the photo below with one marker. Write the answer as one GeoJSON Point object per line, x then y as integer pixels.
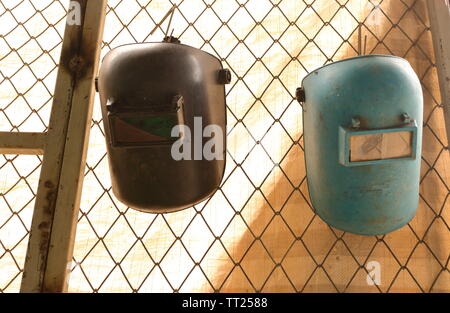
{"type": "Point", "coordinates": [258, 232]}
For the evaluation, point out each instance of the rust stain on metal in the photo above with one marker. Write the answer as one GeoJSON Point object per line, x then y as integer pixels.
{"type": "Point", "coordinates": [79, 64]}
{"type": "Point", "coordinates": [76, 64]}
{"type": "Point", "coordinates": [50, 197]}
{"type": "Point", "coordinates": [364, 122]}
{"type": "Point", "coordinates": [44, 226]}
{"type": "Point", "coordinates": [43, 249]}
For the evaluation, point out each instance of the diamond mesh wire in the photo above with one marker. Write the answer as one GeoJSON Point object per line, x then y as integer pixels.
{"type": "Point", "coordinates": [258, 233]}
{"type": "Point", "coordinates": [30, 41]}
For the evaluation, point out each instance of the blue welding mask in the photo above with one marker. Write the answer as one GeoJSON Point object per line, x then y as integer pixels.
{"type": "Point", "coordinates": [362, 122]}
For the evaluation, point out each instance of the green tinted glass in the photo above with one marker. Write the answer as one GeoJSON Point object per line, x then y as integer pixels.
{"type": "Point", "coordinates": [142, 130]}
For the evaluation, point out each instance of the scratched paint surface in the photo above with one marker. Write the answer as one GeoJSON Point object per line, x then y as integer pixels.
{"type": "Point", "coordinates": [258, 233]}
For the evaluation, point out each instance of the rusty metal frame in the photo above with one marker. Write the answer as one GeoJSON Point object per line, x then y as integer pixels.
{"type": "Point", "coordinates": [439, 15]}
{"type": "Point", "coordinates": [64, 147]}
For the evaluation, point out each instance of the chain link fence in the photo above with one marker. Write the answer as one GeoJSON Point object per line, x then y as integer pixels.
{"type": "Point", "coordinates": [258, 233]}
{"type": "Point", "coordinates": [30, 41]}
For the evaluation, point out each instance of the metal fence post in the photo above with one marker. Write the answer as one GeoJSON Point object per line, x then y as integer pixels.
{"type": "Point", "coordinates": [439, 13]}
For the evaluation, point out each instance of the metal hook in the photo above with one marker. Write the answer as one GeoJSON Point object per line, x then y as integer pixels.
{"type": "Point", "coordinates": [360, 39]}
{"type": "Point", "coordinates": [170, 21]}
{"type": "Point", "coordinates": [361, 49]}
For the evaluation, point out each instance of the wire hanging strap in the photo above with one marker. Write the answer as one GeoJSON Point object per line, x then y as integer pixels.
{"type": "Point", "coordinates": [169, 13]}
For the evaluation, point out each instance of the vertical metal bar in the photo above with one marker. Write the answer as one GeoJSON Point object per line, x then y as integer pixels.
{"type": "Point", "coordinates": [72, 104]}
{"type": "Point", "coordinates": [38, 242]}
{"type": "Point", "coordinates": [71, 181]}
{"type": "Point", "coordinates": [439, 15]}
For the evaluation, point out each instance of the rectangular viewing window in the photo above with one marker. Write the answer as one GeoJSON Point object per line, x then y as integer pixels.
{"type": "Point", "coordinates": [143, 130]}
{"type": "Point", "coordinates": [381, 146]}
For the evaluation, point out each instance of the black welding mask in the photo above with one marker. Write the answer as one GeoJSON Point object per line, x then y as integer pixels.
{"type": "Point", "coordinates": [163, 107]}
